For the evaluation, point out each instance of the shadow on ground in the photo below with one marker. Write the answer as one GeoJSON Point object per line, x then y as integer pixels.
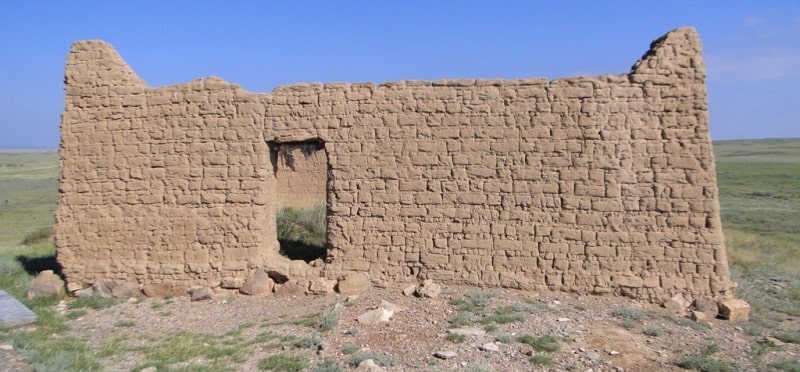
{"type": "Point", "coordinates": [294, 250]}
{"type": "Point", "coordinates": [35, 265]}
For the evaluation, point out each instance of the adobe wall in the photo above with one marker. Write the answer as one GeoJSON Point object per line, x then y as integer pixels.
{"type": "Point", "coordinates": [301, 174]}
{"type": "Point", "coordinates": [591, 184]}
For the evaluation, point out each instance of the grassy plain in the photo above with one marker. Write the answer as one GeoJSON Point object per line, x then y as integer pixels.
{"type": "Point", "coordinates": [759, 187]}
{"type": "Point", "coordinates": [759, 184]}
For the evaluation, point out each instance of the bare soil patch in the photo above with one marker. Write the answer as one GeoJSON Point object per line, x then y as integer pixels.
{"type": "Point", "coordinates": [590, 332]}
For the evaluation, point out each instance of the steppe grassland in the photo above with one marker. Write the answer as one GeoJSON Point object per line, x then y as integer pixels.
{"type": "Point", "coordinates": [759, 186]}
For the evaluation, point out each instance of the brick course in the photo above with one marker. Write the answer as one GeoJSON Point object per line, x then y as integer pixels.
{"type": "Point", "coordinates": [599, 184]}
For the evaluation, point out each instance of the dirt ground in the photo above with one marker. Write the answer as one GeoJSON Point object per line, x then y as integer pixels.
{"type": "Point", "coordinates": [591, 333]}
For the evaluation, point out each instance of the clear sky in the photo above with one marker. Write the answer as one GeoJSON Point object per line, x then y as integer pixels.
{"type": "Point", "coordinates": [752, 48]}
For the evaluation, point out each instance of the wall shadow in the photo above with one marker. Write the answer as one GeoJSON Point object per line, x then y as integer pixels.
{"type": "Point", "coordinates": [35, 265]}
{"type": "Point", "coordinates": [295, 250]}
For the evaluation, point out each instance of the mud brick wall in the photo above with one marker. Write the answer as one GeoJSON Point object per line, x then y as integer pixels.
{"type": "Point", "coordinates": [591, 184]}
{"type": "Point", "coordinates": [301, 173]}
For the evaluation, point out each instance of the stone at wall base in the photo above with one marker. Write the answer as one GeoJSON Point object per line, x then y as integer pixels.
{"type": "Point", "coordinates": [353, 283]}
{"type": "Point", "coordinates": [46, 284]}
{"type": "Point", "coordinates": [289, 289]}
{"type": "Point", "coordinates": [157, 290]}
{"type": "Point", "coordinates": [126, 290]}
{"type": "Point", "coordinates": [201, 293]}
{"type": "Point", "coordinates": [677, 304]}
{"type": "Point", "coordinates": [429, 289]}
{"type": "Point", "coordinates": [321, 286]}
{"type": "Point", "coordinates": [734, 310]}
{"type": "Point", "coordinates": [708, 306]}
{"type": "Point", "coordinates": [259, 283]}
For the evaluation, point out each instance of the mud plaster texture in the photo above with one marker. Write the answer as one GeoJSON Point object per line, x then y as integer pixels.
{"type": "Point", "coordinates": [599, 185]}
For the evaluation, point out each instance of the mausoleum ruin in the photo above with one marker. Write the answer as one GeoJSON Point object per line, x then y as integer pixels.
{"type": "Point", "coordinates": [601, 185]}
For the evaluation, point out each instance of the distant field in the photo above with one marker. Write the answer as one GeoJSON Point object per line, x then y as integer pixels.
{"type": "Point", "coordinates": [759, 185]}
{"type": "Point", "coordinates": [28, 192]}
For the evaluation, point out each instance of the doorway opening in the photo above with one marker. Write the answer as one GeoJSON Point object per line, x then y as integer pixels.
{"type": "Point", "coordinates": [301, 175]}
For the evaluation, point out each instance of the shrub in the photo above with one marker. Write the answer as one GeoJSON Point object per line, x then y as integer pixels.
{"type": "Point", "coordinates": [460, 320]}
{"type": "Point", "coordinates": [543, 343]}
{"type": "Point", "coordinates": [542, 360]}
{"type": "Point", "coordinates": [328, 320]}
{"type": "Point", "coordinates": [93, 302]}
{"type": "Point", "coordinates": [381, 359]}
{"type": "Point", "coordinates": [282, 362]}
{"type": "Point", "coordinates": [38, 236]}
{"type": "Point", "coordinates": [704, 363]}
{"type": "Point", "coordinates": [455, 338]}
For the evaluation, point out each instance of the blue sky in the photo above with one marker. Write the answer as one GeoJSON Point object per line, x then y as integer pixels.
{"type": "Point", "coordinates": [752, 48]}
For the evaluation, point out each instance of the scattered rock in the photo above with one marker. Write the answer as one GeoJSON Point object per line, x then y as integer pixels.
{"type": "Point", "coordinates": [73, 287]}
{"type": "Point", "coordinates": [489, 346]}
{"type": "Point", "coordinates": [201, 293]}
{"type": "Point", "coordinates": [369, 365]}
{"type": "Point", "coordinates": [46, 284]}
{"type": "Point", "coordinates": [353, 283]}
{"type": "Point", "coordinates": [259, 283]}
{"type": "Point", "coordinates": [390, 306]}
{"type": "Point", "coordinates": [375, 316]}
{"type": "Point", "coordinates": [774, 341]}
{"type": "Point", "coordinates": [150, 369]}
{"type": "Point", "coordinates": [290, 289]}
{"type": "Point", "coordinates": [677, 304]}
{"type": "Point", "coordinates": [734, 310]}
{"type": "Point", "coordinates": [321, 286]}
{"type": "Point", "coordinates": [100, 289]}
{"type": "Point", "coordinates": [445, 354]}
{"type": "Point", "coordinates": [708, 306]}
{"type": "Point", "coordinates": [468, 331]}
{"type": "Point", "coordinates": [126, 290]}
{"type": "Point", "coordinates": [231, 283]}
{"type": "Point", "coordinates": [594, 357]}
{"type": "Point", "coordinates": [563, 320]}
{"type": "Point", "coordinates": [410, 290]}
{"type": "Point", "coordinates": [157, 290]}
{"type": "Point", "coordinates": [351, 298]}
{"type": "Point", "coordinates": [698, 316]}
{"type": "Point", "coordinates": [429, 289]}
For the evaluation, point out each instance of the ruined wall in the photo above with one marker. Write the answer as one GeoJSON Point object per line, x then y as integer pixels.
{"type": "Point", "coordinates": [594, 184]}
{"type": "Point", "coordinates": [301, 174]}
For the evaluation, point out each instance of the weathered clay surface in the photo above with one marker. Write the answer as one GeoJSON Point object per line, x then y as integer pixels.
{"type": "Point", "coordinates": [592, 184]}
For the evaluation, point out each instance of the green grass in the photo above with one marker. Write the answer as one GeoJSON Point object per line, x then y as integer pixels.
{"type": "Point", "coordinates": [455, 338]}
{"type": "Point", "coordinates": [327, 365]}
{"type": "Point", "coordinates": [328, 320]}
{"type": "Point", "coordinates": [786, 365]}
{"type": "Point", "coordinates": [461, 319]}
{"type": "Point", "coordinates": [93, 302]}
{"type": "Point", "coordinates": [473, 301]}
{"type": "Point", "coordinates": [541, 360]}
{"type": "Point", "coordinates": [302, 232]}
{"type": "Point", "coordinates": [545, 343]}
{"type": "Point", "coordinates": [629, 317]}
{"type": "Point", "coordinates": [503, 315]}
{"type": "Point", "coordinates": [380, 359]}
{"type": "Point", "coordinates": [705, 362]}
{"type": "Point", "coordinates": [28, 192]}
{"type": "Point", "coordinates": [759, 186]}
{"type": "Point", "coordinates": [283, 363]}
{"type": "Point", "coordinates": [185, 346]}
{"type": "Point", "coordinates": [654, 331]}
